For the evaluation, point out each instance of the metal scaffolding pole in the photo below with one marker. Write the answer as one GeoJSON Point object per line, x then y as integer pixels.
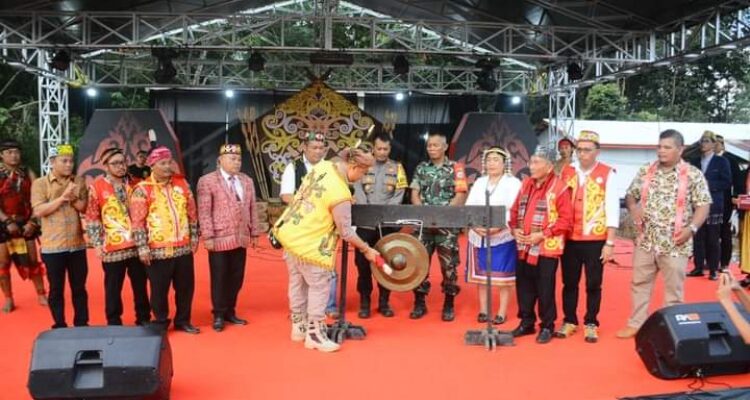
{"type": "Point", "coordinates": [53, 113]}
{"type": "Point", "coordinates": [562, 105]}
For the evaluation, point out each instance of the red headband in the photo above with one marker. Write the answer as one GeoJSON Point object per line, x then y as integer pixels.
{"type": "Point", "coordinates": [158, 154]}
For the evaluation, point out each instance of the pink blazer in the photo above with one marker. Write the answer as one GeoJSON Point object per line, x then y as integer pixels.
{"type": "Point", "coordinates": [229, 223]}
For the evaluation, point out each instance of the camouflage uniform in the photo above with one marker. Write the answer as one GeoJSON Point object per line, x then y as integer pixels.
{"type": "Point", "coordinates": [438, 185]}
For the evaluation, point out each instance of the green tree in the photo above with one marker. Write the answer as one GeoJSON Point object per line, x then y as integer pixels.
{"type": "Point", "coordinates": [604, 102]}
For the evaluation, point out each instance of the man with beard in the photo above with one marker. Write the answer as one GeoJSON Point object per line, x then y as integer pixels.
{"type": "Point", "coordinates": [18, 230]}
{"type": "Point", "coordinates": [110, 231]}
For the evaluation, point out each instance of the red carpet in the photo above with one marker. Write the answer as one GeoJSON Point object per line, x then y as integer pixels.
{"type": "Point", "coordinates": [399, 359]}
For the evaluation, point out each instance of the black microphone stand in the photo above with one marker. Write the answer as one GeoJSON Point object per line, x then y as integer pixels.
{"type": "Point", "coordinates": [490, 337]}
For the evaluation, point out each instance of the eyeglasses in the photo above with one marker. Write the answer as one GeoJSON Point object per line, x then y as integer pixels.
{"type": "Point", "coordinates": [585, 150]}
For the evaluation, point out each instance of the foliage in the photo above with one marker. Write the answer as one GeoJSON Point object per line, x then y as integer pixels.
{"type": "Point", "coordinates": [605, 102]}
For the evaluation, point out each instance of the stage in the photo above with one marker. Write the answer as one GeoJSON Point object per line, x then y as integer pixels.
{"type": "Point", "coordinates": [399, 359]}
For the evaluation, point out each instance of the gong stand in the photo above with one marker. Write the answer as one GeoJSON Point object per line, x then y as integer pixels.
{"type": "Point", "coordinates": [375, 216]}
{"type": "Point", "coordinates": [489, 337]}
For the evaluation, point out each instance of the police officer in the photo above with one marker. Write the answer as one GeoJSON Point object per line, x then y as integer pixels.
{"type": "Point", "coordinates": [439, 181]}
{"type": "Point", "coordinates": [384, 183]}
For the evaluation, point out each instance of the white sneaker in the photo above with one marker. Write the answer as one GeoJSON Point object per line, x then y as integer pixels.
{"type": "Point", "coordinates": [317, 338]}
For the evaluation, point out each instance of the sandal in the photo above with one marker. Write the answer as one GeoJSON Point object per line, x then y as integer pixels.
{"type": "Point", "coordinates": [498, 320]}
{"type": "Point", "coordinates": [482, 317]}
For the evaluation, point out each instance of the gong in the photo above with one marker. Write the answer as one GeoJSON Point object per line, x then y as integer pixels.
{"type": "Point", "coordinates": [408, 258]}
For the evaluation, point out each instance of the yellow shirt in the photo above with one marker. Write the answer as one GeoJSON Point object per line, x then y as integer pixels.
{"type": "Point", "coordinates": [307, 229]}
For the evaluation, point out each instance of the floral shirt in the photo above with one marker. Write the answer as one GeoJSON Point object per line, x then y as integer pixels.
{"type": "Point", "coordinates": [660, 210]}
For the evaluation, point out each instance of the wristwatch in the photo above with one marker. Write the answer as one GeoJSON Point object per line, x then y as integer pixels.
{"type": "Point", "coordinates": [693, 228]}
{"type": "Point", "coordinates": [609, 243]}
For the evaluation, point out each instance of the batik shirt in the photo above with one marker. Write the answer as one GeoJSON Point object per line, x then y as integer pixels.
{"type": "Point", "coordinates": [661, 208]}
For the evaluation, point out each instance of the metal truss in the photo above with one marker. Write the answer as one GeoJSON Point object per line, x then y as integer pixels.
{"type": "Point", "coordinates": [562, 105]}
{"type": "Point", "coordinates": [723, 28]}
{"type": "Point", "coordinates": [53, 113]}
{"type": "Point", "coordinates": [222, 74]}
{"type": "Point", "coordinates": [285, 28]}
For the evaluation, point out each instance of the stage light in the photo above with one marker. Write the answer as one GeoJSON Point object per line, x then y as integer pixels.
{"type": "Point", "coordinates": [165, 72]}
{"type": "Point", "coordinates": [399, 96]}
{"type": "Point", "coordinates": [60, 61]}
{"type": "Point", "coordinates": [400, 65]}
{"type": "Point", "coordinates": [425, 136]}
{"type": "Point", "coordinates": [486, 75]}
{"type": "Point", "coordinates": [91, 92]}
{"type": "Point", "coordinates": [728, 46]}
{"type": "Point", "coordinates": [256, 62]}
{"type": "Point", "coordinates": [575, 71]}
{"type": "Point", "coordinates": [229, 93]}
{"type": "Point", "coordinates": [515, 100]}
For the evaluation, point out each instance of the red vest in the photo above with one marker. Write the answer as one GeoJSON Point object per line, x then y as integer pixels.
{"type": "Point", "coordinates": [167, 220]}
{"type": "Point", "coordinates": [118, 232]}
{"type": "Point", "coordinates": [589, 215]}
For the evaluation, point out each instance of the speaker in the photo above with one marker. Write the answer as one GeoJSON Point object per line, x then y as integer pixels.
{"type": "Point", "coordinates": [695, 339]}
{"type": "Point", "coordinates": [101, 363]}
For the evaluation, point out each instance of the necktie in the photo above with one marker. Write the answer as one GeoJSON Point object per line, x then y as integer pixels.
{"type": "Point", "coordinates": [234, 188]}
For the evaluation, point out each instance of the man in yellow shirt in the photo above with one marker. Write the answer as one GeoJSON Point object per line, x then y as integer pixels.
{"type": "Point", "coordinates": [309, 230]}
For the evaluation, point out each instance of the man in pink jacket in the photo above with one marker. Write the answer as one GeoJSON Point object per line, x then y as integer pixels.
{"type": "Point", "coordinates": [228, 224]}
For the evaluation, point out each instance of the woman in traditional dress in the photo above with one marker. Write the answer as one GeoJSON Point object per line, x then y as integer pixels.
{"type": "Point", "coordinates": [503, 189]}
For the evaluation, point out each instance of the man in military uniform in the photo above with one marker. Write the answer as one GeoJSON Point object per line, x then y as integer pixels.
{"type": "Point", "coordinates": [384, 183]}
{"type": "Point", "coordinates": [439, 181]}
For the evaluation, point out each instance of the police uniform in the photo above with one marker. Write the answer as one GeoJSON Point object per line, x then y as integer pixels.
{"type": "Point", "coordinates": [384, 183]}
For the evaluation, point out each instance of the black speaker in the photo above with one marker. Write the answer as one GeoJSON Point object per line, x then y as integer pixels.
{"type": "Point", "coordinates": [101, 363]}
{"type": "Point", "coordinates": [695, 339]}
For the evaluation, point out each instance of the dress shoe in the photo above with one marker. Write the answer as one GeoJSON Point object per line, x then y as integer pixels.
{"type": "Point", "coordinates": [695, 272]}
{"type": "Point", "coordinates": [545, 335]}
{"type": "Point", "coordinates": [235, 320]}
{"type": "Point", "coordinates": [627, 332]}
{"type": "Point", "coordinates": [218, 324]}
{"type": "Point", "coordinates": [523, 330]}
{"type": "Point", "coordinates": [364, 306]}
{"type": "Point", "coordinates": [713, 276]}
{"type": "Point", "coordinates": [188, 328]}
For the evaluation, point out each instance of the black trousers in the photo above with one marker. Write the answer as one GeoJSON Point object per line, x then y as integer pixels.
{"type": "Point", "coordinates": [227, 276]}
{"type": "Point", "coordinates": [726, 237]}
{"type": "Point", "coordinates": [364, 269]}
{"type": "Point", "coordinates": [706, 247]}
{"type": "Point", "coordinates": [177, 271]}
{"type": "Point", "coordinates": [580, 255]}
{"type": "Point", "coordinates": [535, 285]}
{"type": "Point", "coordinates": [74, 264]}
{"type": "Point", "coordinates": [114, 278]}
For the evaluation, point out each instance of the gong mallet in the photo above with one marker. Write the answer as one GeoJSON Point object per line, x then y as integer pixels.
{"type": "Point", "coordinates": [490, 337]}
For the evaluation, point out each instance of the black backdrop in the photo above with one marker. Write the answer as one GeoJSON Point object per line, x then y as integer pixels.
{"type": "Point", "coordinates": [200, 121]}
